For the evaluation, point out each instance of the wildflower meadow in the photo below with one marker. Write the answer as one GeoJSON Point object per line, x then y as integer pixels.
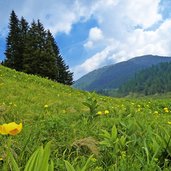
{"type": "Point", "coordinates": [46, 126]}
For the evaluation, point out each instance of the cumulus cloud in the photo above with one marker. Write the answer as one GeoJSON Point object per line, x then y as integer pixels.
{"type": "Point", "coordinates": [125, 28]}
{"type": "Point", "coordinates": [58, 16]}
{"type": "Point", "coordinates": [130, 28]}
{"type": "Point", "coordinates": [96, 61]}
{"type": "Point", "coordinates": [95, 34]}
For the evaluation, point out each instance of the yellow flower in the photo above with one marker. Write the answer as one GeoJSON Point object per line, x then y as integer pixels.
{"type": "Point", "coordinates": [106, 112]}
{"type": "Point", "coordinates": [99, 113]}
{"type": "Point", "coordinates": [169, 122]}
{"type": "Point", "coordinates": [46, 106]}
{"type": "Point", "coordinates": [10, 128]}
{"type": "Point", "coordinates": [139, 110]}
{"type": "Point", "coordinates": [156, 112]}
{"type": "Point", "coordinates": [166, 109]}
{"type": "Point", "coordinates": [1, 159]}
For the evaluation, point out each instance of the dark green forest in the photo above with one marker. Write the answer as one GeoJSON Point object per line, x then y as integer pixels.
{"type": "Point", "coordinates": [153, 80]}
{"type": "Point", "coordinates": [33, 50]}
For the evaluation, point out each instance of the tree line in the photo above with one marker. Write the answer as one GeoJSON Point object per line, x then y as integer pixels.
{"type": "Point", "coordinates": [33, 50]}
{"type": "Point", "coordinates": [153, 80]}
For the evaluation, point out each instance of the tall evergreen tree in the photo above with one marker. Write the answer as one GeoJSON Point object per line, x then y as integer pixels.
{"type": "Point", "coordinates": [39, 56]}
{"type": "Point", "coordinates": [24, 27]}
{"type": "Point", "coordinates": [63, 74]}
{"type": "Point", "coordinates": [49, 64]}
{"type": "Point", "coordinates": [13, 43]}
{"type": "Point", "coordinates": [34, 51]}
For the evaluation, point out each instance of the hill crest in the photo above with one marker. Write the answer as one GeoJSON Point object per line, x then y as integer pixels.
{"type": "Point", "coordinates": [112, 76]}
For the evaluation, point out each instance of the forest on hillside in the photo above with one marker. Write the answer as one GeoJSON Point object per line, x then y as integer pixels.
{"type": "Point", "coordinates": [154, 80]}
{"type": "Point", "coordinates": [33, 50]}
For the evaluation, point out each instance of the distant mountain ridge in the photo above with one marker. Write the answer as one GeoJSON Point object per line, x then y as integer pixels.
{"type": "Point", "coordinates": [113, 76]}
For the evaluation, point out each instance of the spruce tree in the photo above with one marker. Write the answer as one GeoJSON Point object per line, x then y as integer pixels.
{"type": "Point", "coordinates": [49, 59]}
{"type": "Point", "coordinates": [12, 52]}
{"type": "Point", "coordinates": [39, 56]}
{"type": "Point", "coordinates": [24, 27]}
{"type": "Point", "coordinates": [63, 74]}
{"type": "Point", "coordinates": [34, 50]}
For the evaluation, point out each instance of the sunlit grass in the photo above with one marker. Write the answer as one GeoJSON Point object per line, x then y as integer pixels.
{"type": "Point", "coordinates": [129, 134]}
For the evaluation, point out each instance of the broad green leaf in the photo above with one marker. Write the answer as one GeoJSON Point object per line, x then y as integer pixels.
{"type": "Point", "coordinates": [30, 165]}
{"type": "Point", "coordinates": [106, 134]}
{"type": "Point", "coordinates": [68, 166]}
{"type": "Point", "coordinates": [14, 164]}
{"type": "Point", "coordinates": [114, 132]}
{"type": "Point", "coordinates": [51, 166]}
{"type": "Point", "coordinates": [45, 158]}
{"type": "Point", "coordinates": [87, 163]}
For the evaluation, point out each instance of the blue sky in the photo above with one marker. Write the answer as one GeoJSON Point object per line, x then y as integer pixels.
{"type": "Point", "coordinates": [95, 33]}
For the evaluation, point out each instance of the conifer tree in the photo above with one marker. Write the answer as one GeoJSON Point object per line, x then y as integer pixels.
{"type": "Point", "coordinates": [39, 56]}
{"type": "Point", "coordinates": [49, 59]}
{"type": "Point", "coordinates": [33, 50]}
{"type": "Point", "coordinates": [63, 74]}
{"type": "Point", "coordinates": [13, 43]}
{"type": "Point", "coordinates": [24, 27]}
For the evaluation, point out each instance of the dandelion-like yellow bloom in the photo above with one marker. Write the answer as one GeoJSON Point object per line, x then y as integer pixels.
{"type": "Point", "coordinates": [99, 113]}
{"type": "Point", "coordinates": [10, 128]}
{"type": "Point", "coordinates": [46, 106]}
{"type": "Point", "coordinates": [139, 110]}
{"type": "Point", "coordinates": [106, 112]}
{"type": "Point", "coordinates": [156, 112]}
{"type": "Point", "coordinates": [166, 109]}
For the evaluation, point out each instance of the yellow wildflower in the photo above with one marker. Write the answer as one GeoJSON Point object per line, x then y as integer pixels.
{"type": "Point", "coordinates": [106, 112]}
{"type": "Point", "coordinates": [139, 110]}
{"type": "Point", "coordinates": [10, 128]}
{"type": "Point", "coordinates": [99, 113]}
{"type": "Point", "coordinates": [156, 112]}
{"type": "Point", "coordinates": [46, 106]}
{"type": "Point", "coordinates": [166, 109]}
{"type": "Point", "coordinates": [169, 122]}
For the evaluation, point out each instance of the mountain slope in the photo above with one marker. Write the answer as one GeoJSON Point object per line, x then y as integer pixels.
{"type": "Point", "coordinates": [156, 79]}
{"type": "Point", "coordinates": [111, 77]}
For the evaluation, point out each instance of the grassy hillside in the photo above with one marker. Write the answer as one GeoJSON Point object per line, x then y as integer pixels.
{"type": "Point", "coordinates": [91, 132]}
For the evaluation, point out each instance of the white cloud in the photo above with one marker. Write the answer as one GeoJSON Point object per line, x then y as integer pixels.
{"type": "Point", "coordinates": [132, 28]}
{"type": "Point", "coordinates": [58, 16]}
{"type": "Point", "coordinates": [96, 61]}
{"type": "Point", "coordinates": [125, 28]}
{"type": "Point", "coordinates": [95, 34]}
{"type": "Point", "coordinates": [144, 13]}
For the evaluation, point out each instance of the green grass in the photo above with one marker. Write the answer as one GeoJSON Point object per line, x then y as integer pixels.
{"type": "Point", "coordinates": [135, 135]}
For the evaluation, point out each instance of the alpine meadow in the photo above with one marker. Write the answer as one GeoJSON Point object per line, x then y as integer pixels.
{"type": "Point", "coordinates": [80, 130]}
{"type": "Point", "coordinates": [48, 125]}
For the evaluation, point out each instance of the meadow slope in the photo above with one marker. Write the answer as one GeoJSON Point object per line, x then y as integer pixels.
{"type": "Point", "coordinates": [91, 132]}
